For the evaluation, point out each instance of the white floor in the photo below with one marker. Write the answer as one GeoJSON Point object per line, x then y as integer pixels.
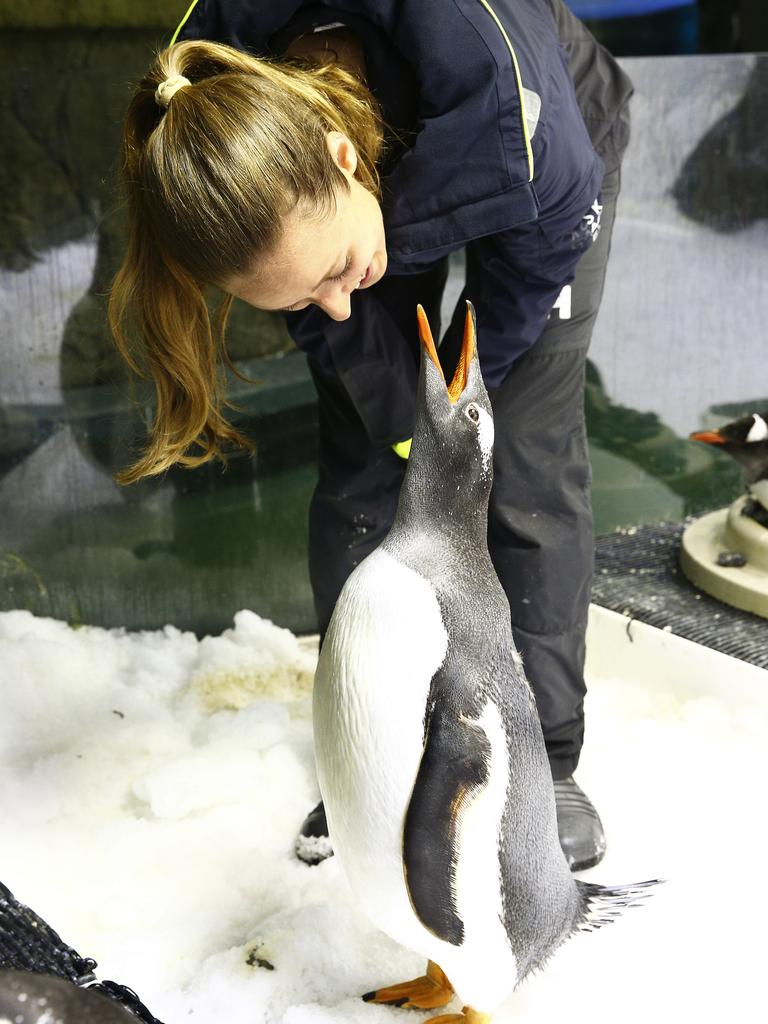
{"type": "Point", "coordinates": [151, 786]}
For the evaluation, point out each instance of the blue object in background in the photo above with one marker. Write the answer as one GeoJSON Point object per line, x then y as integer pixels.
{"type": "Point", "coordinates": [638, 28]}
{"type": "Point", "coordinates": [622, 8]}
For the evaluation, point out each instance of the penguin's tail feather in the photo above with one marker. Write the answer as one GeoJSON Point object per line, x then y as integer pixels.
{"type": "Point", "coordinates": [602, 904]}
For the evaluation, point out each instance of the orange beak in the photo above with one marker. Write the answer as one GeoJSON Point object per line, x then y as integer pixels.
{"type": "Point", "coordinates": [708, 437]}
{"type": "Point", "coordinates": [459, 382]}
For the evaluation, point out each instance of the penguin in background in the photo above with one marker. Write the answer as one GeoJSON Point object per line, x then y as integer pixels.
{"type": "Point", "coordinates": [429, 749]}
{"type": "Point", "coordinates": [746, 440]}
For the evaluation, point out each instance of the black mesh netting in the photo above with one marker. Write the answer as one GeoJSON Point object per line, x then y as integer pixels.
{"type": "Point", "coordinates": [27, 943]}
{"type": "Point", "coordinates": [637, 573]}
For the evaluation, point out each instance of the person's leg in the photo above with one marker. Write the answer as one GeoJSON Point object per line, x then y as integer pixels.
{"type": "Point", "coordinates": [540, 536]}
{"type": "Point", "coordinates": [355, 500]}
{"type": "Point", "coordinates": [541, 530]}
{"type": "Point", "coordinates": [540, 520]}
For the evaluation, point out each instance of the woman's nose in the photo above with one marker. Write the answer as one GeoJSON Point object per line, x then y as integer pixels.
{"type": "Point", "coordinates": [338, 307]}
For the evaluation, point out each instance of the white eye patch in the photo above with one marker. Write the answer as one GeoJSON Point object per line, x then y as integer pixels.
{"type": "Point", "coordinates": [759, 429]}
{"type": "Point", "coordinates": [485, 433]}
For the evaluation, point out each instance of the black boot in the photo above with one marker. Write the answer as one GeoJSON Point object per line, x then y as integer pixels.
{"type": "Point", "coordinates": [579, 826]}
{"type": "Point", "coordinates": [312, 842]}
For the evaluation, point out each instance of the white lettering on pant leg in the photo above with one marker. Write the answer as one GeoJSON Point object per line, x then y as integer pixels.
{"type": "Point", "coordinates": [563, 304]}
{"type": "Point", "coordinates": [593, 219]}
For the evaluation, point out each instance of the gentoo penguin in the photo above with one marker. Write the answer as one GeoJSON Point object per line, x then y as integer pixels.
{"type": "Point", "coordinates": [430, 755]}
{"type": "Point", "coordinates": [27, 998]}
{"type": "Point", "coordinates": [746, 440]}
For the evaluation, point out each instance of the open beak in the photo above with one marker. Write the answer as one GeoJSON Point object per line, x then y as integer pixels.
{"type": "Point", "coordinates": [708, 437]}
{"type": "Point", "coordinates": [459, 382]}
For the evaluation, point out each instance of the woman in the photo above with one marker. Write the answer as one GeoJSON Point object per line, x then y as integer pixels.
{"type": "Point", "coordinates": [331, 181]}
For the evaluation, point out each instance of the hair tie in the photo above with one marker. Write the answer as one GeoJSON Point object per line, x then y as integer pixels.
{"type": "Point", "coordinates": [168, 89]}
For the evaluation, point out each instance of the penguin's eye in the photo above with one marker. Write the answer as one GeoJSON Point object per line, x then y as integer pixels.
{"type": "Point", "coordinates": [473, 412]}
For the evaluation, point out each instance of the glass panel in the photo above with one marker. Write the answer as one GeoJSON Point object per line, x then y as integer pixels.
{"type": "Point", "coordinates": [680, 341]}
{"type": "Point", "coordinates": [678, 346]}
{"type": "Point", "coordinates": [192, 547]}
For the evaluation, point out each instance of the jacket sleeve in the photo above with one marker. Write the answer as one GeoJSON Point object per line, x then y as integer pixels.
{"type": "Point", "coordinates": [514, 279]}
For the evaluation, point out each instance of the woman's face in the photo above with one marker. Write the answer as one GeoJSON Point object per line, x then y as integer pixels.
{"type": "Point", "coordinates": [321, 261]}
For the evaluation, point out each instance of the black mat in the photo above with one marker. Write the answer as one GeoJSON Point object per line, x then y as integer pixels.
{"type": "Point", "coordinates": [637, 573]}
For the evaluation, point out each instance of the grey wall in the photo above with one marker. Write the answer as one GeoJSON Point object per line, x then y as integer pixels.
{"type": "Point", "coordinates": [683, 322]}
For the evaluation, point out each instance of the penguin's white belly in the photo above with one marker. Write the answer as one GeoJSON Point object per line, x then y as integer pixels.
{"type": "Point", "coordinates": [385, 643]}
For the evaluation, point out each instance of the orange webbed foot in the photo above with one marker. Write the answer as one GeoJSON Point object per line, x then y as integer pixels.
{"type": "Point", "coordinates": [425, 993]}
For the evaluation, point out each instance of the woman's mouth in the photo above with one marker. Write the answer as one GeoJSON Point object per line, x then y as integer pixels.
{"type": "Point", "coordinates": [366, 276]}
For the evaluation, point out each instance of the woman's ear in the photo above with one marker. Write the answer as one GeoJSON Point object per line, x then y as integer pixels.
{"type": "Point", "coordinates": [343, 152]}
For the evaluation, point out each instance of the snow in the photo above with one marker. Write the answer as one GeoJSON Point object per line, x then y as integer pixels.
{"type": "Point", "coordinates": [152, 784]}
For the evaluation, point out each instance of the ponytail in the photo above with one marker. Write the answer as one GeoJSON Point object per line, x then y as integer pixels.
{"type": "Point", "coordinates": [182, 353]}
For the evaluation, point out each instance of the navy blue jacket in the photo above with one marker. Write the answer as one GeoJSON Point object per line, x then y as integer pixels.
{"type": "Point", "coordinates": [498, 150]}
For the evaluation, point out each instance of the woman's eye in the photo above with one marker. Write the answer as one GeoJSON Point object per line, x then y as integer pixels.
{"type": "Point", "coordinates": [347, 265]}
{"type": "Point", "coordinates": [473, 412]}
{"type": "Point", "coordinates": [337, 277]}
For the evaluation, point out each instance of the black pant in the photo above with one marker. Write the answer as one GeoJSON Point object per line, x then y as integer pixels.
{"type": "Point", "coordinates": [540, 522]}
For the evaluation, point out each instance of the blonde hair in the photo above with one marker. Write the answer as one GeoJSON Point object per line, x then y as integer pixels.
{"type": "Point", "coordinates": [207, 180]}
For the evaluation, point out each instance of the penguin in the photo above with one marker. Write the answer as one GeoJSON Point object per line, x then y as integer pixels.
{"type": "Point", "coordinates": [429, 749]}
{"type": "Point", "coordinates": [746, 440]}
{"type": "Point", "coordinates": [27, 998]}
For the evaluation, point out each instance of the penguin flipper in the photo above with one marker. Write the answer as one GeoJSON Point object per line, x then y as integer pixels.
{"type": "Point", "coordinates": [454, 766]}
